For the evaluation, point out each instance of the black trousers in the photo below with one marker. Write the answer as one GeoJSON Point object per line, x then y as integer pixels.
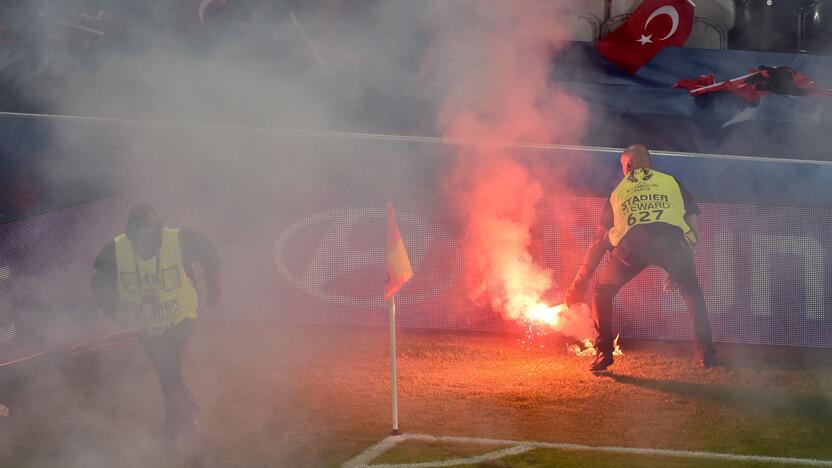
{"type": "Point", "coordinates": [645, 245]}
{"type": "Point", "coordinates": [165, 352]}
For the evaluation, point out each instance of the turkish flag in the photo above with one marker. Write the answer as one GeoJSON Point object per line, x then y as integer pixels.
{"type": "Point", "coordinates": [654, 25]}
{"type": "Point", "coordinates": [199, 11]}
{"type": "Point", "coordinates": [757, 83]}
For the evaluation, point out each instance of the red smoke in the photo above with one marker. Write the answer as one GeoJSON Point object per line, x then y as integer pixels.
{"type": "Point", "coordinates": [491, 61]}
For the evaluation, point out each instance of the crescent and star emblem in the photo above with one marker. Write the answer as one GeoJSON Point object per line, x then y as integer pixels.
{"type": "Point", "coordinates": [203, 5]}
{"type": "Point", "coordinates": [665, 10]}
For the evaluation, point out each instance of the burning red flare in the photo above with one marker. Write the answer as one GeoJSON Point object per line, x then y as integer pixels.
{"type": "Point", "coordinates": [548, 315]}
{"type": "Point", "coordinates": [491, 61]}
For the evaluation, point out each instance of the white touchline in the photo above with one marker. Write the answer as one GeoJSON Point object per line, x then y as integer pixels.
{"type": "Point", "coordinates": [495, 455]}
{"type": "Point", "coordinates": [371, 453]}
{"type": "Point", "coordinates": [516, 447]}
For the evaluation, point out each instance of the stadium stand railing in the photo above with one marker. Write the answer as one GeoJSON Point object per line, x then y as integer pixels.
{"type": "Point", "coordinates": [816, 30]}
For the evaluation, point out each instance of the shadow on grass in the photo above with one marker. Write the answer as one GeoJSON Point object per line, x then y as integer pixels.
{"type": "Point", "coordinates": [744, 356]}
{"type": "Point", "coordinates": [815, 408]}
{"type": "Point", "coordinates": [775, 358]}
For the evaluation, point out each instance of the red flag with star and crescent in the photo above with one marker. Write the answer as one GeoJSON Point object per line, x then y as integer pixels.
{"type": "Point", "coordinates": [653, 25]}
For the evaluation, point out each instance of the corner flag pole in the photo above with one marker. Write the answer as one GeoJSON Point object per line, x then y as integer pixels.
{"type": "Point", "coordinates": [399, 272]}
{"type": "Point", "coordinates": [393, 385]}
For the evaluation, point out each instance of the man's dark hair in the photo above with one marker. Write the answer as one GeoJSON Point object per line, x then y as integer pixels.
{"type": "Point", "coordinates": [141, 214]}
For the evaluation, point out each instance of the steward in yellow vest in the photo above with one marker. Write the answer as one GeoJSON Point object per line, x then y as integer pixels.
{"type": "Point", "coordinates": [146, 279]}
{"type": "Point", "coordinates": [156, 293]}
{"type": "Point", "coordinates": [650, 220]}
{"type": "Point", "coordinates": [648, 196]}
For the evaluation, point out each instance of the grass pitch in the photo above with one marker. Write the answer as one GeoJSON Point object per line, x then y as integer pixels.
{"type": "Point", "coordinates": [422, 451]}
{"type": "Point", "coordinates": [274, 395]}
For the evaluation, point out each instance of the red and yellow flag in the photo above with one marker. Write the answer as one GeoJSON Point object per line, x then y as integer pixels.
{"type": "Point", "coordinates": [398, 265]}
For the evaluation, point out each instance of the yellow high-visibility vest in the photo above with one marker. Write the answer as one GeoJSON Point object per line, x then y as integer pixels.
{"type": "Point", "coordinates": [155, 294]}
{"type": "Point", "coordinates": [647, 196]}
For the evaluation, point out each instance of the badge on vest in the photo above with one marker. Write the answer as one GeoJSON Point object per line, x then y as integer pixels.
{"type": "Point", "coordinates": [130, 280]}
{"type": "Point", "coordinates": [150, 278]}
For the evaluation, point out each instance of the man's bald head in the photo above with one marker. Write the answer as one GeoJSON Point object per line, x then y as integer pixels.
{"type": "Point", "coordinates": [635, 157]}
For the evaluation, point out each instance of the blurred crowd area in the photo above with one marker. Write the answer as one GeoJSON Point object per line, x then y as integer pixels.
{"type": "Point", "coordinates": [46, 39]}
{"type": "Point", "coordinates": [49, 46]}
{"type": "Point", "coordinates": [43, 40]}
{"type": "Point", "coordinates": [46, 44]}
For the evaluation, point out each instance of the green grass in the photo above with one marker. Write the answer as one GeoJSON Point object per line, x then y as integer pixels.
{"type": "Point", "coordinates": [416, 451]}
{"type": "Point", "coordinates": [560, 458]}
{"type": "Point", "coordinates": [274, 395]}
{"type": "Point", "coordinates": [419, 451]}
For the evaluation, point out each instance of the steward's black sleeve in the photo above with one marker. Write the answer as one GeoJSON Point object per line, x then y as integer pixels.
{"type": "Point", "coordinates": [599, 245]}
{"type": "Point", "coordinates": [607, 218]}
{"type": "Point", "coordinates": [691, 208]}
{"type": "Point", "coordinates": [104, 277]}
{"type": "Point", "coordinates": [196, 248]}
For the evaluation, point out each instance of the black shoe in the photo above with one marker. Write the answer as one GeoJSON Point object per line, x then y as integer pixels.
{"type": "Point", "coordinates": [707, 361]}
{"type": "Point", "coordinates": [705, 356]}
{"type": "Point", "coordinates": [601, 362]}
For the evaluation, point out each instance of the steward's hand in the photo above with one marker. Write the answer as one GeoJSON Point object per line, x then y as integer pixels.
{"type": "Point", "coordinates": [575, 293]}
{"type": "Point", "coordinates": [690, 242]}
{"type": "Point", "coordinates": [670, 285]}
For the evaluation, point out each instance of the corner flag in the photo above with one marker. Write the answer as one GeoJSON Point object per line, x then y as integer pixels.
{"type": "Point", "coordinates": [398, 272]}
{"type": "Point", "coordinates": [398, 265]}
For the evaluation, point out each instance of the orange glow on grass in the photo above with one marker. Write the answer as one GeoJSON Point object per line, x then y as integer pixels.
{"type": "Point", "coordinates": [557, 317]}
{"type": "Point", "coordinates": [586, 348]}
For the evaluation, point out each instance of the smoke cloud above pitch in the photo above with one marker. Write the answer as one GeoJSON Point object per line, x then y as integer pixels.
{"type": "Point", "coordinates": [494, 60]}
{"type": "Point", "coordinates": [190, 123]}
{"type": "Point", "coordinates": [215, 131]}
